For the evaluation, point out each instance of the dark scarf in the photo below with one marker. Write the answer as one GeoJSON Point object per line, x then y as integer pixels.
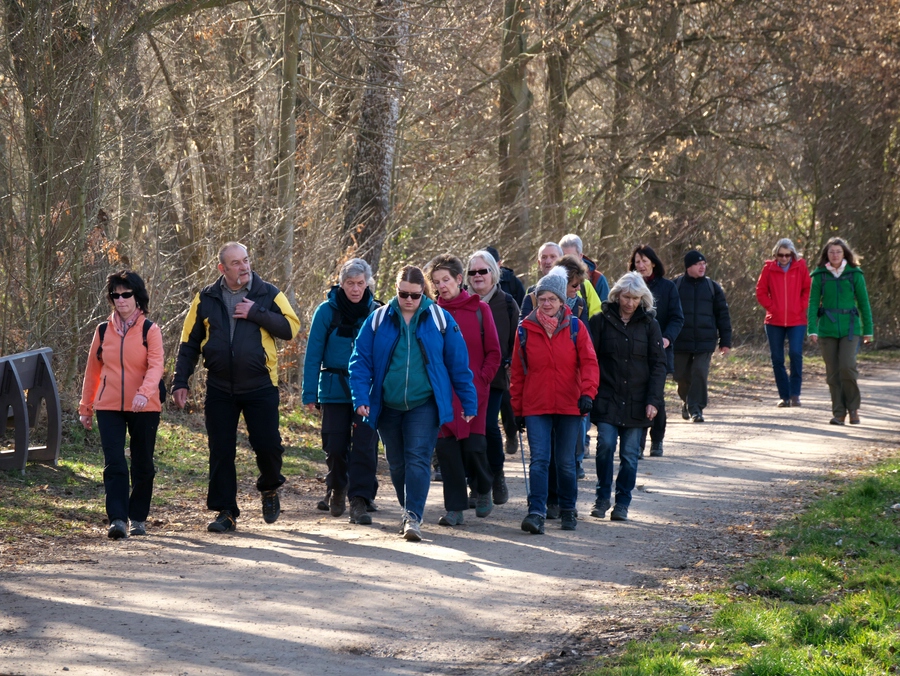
{"type": "Point", "coordinates": [351, 313]}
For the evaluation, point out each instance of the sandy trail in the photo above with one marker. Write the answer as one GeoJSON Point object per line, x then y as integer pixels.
{"type": "Point", "coordinates": [313, 594]}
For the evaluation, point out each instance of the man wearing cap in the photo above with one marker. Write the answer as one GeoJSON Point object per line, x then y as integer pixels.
{"type": "Point", "coordinates": [707, 324]}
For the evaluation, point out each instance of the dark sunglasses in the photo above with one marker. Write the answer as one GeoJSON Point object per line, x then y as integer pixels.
{"type": "Point", "coordinates": [787, 255]}
{"type": "Point", "coordinates": [409, 294]}
{"type": "Point", "coordinates": [481, 272]}
{"type": "Point", "coordinates": [124, 294]}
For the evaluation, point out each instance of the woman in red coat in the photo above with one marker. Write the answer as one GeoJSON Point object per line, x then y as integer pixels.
{"type": "Point", "coordinates": [783, 290]}
{"type": "Point", "coordinates": [462, 446]}
{"type": "Point", "coordinates": [554, 379]}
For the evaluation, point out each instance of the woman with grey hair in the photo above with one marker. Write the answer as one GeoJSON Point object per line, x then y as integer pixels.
{"type": "Point", "coordinates": [483, 274]}
{"type": "Point", "coordinates": [783, 290]}
{"type": "Point", "coordinates": [350, 446]}
{"type": "Point", "coordinates": [628, 343]}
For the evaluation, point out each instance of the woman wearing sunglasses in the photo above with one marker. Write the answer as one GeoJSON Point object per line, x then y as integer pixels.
{"type": "Point", "coordinates": [783, 290]}
{"type": "Point", "coordinates": [462, 445]}
{"type": "Point", "coordinates": [122, 384]}
{"type": "Point", "coordinates": [409, 359]}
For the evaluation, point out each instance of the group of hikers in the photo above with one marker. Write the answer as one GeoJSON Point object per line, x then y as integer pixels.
{"type": "Point", "coordinates": [459, 352]}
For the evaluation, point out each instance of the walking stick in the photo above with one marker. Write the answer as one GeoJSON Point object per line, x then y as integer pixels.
{"type": "Point", "coordinates": [524, 468]}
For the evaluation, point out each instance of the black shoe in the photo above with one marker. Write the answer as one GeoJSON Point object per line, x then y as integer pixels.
{"type": "Point", "coordinates": [323, 503]}
{"type": "Point", "coordinates": [684, 411]}
{"type": "Point", "coordinates": [837, 421]}
{"type": "Point", "coordinates": [534, 524]}
{"type": "Point", "coordinates": [697, 418]}
{"type": "Point", "coordinates": [784, 403]}
{"type": "Point", "coordinates": [552, 511]}
{"type": "Point", "coordinates": [619, 513]}
{"type": "Point", "coordinates": [117, 530]}
{"type": "Point", "coordinates": [338, 502]}
{"type": "Point", "coordinates": [224, 523]}
{"type": "Point", "coordinates": [500, 490]}
{"type": "Point", "coordinates": [271, 506]}
{"type": "Point", "coordinates": [512, 446]}
{"type": "Point", "coordinates": [601, 507]}
{"type": "Point", "coordinates": [656, 449]}
{"type": "Point", "coordinates": [568, 519]}
{"type": "Point", "coordinates": [579, 471]}
{"type": "Point", "coordinates": [138, 528]}
{"type": "Point", "coordinates": [371, 506]}
{"type": "Point", "coordinates": [359, 512]}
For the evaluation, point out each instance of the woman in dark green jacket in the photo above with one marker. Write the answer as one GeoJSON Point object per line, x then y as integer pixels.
{"type": "Point", "coordinates": [839, 314]}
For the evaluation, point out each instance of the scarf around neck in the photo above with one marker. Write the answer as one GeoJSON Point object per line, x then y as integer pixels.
{"type": "Point", "coordinates": [549, 324]}
{"type": "Point", "coordinates": [351, 313]}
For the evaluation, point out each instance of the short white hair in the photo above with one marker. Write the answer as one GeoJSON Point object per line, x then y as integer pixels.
{"type": "Point", "coordinates": [632, 284]}
{"type": "Point", "coordinates": [489, 261]}
{"type": "Point", "coordinates": [573, 241]}
{"type": "Point", "coordinates": [547, 245]}
{"type": "Point", "coordinates": [354, 268]}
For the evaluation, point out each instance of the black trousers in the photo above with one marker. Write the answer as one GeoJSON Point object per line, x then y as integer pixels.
{"type": "Point", "coordinates": [657, 430]}
{"type": "Point", "coordinates": [142, 429]}
{"type": "Point", "coordinates": [691, 375]}
{"type": "Point", "coordinates": [223, 410]}
{"type": "Point", "coordinates": [351, 452]}
{"type": "Point", "coordinates": [507, 417]}
{"type": "Point", "coordinates": [458, 458]}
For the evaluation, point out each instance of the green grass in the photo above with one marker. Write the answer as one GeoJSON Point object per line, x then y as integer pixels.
{"type": "Point", "coordinates": [68, 500]}
{"type": "Point", "coordinates": [827, 605]}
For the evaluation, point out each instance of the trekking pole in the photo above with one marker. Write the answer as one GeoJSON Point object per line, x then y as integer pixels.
{"type": "Point", "coordinates": [524, 468]}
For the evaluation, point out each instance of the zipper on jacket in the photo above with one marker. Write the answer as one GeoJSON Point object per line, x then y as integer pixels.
{"type": "Point", "coordinates": [408, 349]}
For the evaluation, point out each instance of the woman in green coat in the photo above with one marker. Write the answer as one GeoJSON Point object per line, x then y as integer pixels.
{"type": "Point", "coordinates": [839, 314]}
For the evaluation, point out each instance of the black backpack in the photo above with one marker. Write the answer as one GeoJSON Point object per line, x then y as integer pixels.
{"type": "Point", "coordinates": [101, 329]}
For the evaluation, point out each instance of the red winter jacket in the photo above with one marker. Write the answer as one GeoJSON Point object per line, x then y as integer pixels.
{"type": "Point", "coordinates": [484, 358]}
{"type": "Point", "coordinates": [785, 295]}
{"type": "Point", "coordinates": [557, 376]}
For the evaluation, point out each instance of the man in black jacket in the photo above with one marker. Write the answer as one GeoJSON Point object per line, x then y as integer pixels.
{"type": "Point", "coordinates": [706, 323]}
{"type": "Point", "coordinates": [233, 323]}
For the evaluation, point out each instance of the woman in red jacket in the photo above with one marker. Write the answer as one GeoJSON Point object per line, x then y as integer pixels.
{"type": "Point", "coordinates": [462, 446]}
{"type": "Point", "coordinates": [783, 290]}
{"type": "Point", "coordinates": [122, 384]}
{"type": "Point", "coordinates": [554, 379]}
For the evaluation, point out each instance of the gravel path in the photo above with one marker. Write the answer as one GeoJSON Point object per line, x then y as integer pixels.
{"type": "Point", "coordinates": [316, 595]}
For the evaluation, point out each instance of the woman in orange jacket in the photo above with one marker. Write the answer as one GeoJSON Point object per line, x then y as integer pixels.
{"type": "Point", "coordinates": [122, 383]}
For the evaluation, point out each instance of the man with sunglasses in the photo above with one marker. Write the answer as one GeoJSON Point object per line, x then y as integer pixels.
{"type": "Point", "coordinates": [233, 323]}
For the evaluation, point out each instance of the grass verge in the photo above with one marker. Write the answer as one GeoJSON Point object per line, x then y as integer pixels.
{"type": "Point", "coordinates": [825, 603]}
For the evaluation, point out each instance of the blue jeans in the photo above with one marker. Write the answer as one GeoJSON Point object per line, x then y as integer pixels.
{"type": "Point", "coordinates": [629, 440]}
{"type": "Point", "coordinates": [409, 438]}
{"type": "Point", "coordinates": [564, 430]}
{"type": "Point", "coordinates": [794, 335]}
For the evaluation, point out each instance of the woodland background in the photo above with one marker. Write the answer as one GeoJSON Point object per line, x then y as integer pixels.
{"type": "Point", "coordinates": [146, 134]}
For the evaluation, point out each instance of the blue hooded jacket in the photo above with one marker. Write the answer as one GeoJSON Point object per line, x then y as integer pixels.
{"type": "Point", "coordinates": [446, 363]}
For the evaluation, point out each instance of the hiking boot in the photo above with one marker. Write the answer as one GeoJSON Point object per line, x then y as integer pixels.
{"type": "Point", "coordinates": [512, 446]}
{"type": "Point", "coordinates": [784, 403]}
{"type": "Point", "coordinates": [271, 506]}
{"type": "Point", "coordinates": [412, 530]}
{"type": "Point", "coordinates": [534, 524]}
{"type": "Point", "coordinates": [359, 512]}
{"type": "Point", "coordinates": [473, 498]}
{"type": "Point", "coordinates": [371, 506]}
{"type": "Point", "coordinates": [323, 503]}
{"type": "Point", "coordinates": [854, 417]}
{"type": "Point", "coordinates": [568, 520]}
{"type": "Point", "coordinates": [697, 418]}
{"type": "Point", "coordinates": [656, 449]}
{"type": "Point", "coordinates": [452, 519]}
{"type": "Point", "coordinates": [338, 502]}
{"type": "Point", "coordinates": [483, 505]}
{"type": "Point", "coordinates": [601, 507]}
{"type": "Point", "coordinates": [795, 402]}
{"type": "Point", "coordinates": [224, 523]}
{"type": "Point", "coordinates": [684, 411]}
{"type": "Point", "coordinates": [619, 513]}
{"type": "Point", "coordinates": [117, 530]}
{"type": "Point", "coordinates": [500, 490]}
{"type": "Point", "coordinates": [579, 471]}
{"type": "Point", "coordinates": [138, 528]}
{"type": "Point", "coordinates": [552, 511]}
{"type": "Point", "coordinates": [837, 421]}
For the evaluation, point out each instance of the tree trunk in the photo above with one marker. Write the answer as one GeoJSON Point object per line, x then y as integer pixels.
{"type": "Point", "coordinates": [553, 214]}
{"type": "Point", "coordinates": [615, 182]}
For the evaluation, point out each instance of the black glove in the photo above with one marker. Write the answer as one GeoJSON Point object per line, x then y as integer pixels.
{"type": "Point", "coordinates": [585, 404]}
{"type": "Point", "coordinates": [520, 423]}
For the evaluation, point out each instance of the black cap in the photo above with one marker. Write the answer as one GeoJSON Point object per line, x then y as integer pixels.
{"type": "Point", "coordinates": [693, 257]}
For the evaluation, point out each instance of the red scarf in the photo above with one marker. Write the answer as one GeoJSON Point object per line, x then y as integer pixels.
{"type": "Point", "coordinates": [549, 323]}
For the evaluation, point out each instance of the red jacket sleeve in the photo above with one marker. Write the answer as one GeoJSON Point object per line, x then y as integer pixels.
{"type": "Point", "coordinates": [762, 288]}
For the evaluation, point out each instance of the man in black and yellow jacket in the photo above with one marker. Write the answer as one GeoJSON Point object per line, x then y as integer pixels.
{"type": "Point", "coordinates": [233, 323]}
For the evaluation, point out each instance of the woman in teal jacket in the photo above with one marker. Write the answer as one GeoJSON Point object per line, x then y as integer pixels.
{"type": "Point", "coordinates": [839, 313]}
{"type": "Point", "coordinates": [408, 356]}
{"type": "Point", "coordinates": [351, 448]}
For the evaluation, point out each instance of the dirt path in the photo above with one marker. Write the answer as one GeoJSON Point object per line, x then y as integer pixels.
{"type": "Point", "coordinates": [313, 594]}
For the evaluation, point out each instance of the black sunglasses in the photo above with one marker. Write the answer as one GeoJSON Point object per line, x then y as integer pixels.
{"type": "Point", "coordinates": [409, 294]}
{"type": "Point", "coordinates": [124, 294]}
{"type": "Point", "coordinates": [481, 272]}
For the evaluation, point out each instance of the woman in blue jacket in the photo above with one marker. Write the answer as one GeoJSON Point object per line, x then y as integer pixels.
{"type": "Point", "coordinates": [351, 448]}
{"type": "Point", "coordinates": [408, 355]}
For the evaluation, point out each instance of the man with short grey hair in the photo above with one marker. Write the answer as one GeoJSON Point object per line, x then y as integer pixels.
{"type": "Point", "coordinates": [571, 244]}
{"type": "Point", "coordinates": [233, 323]}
